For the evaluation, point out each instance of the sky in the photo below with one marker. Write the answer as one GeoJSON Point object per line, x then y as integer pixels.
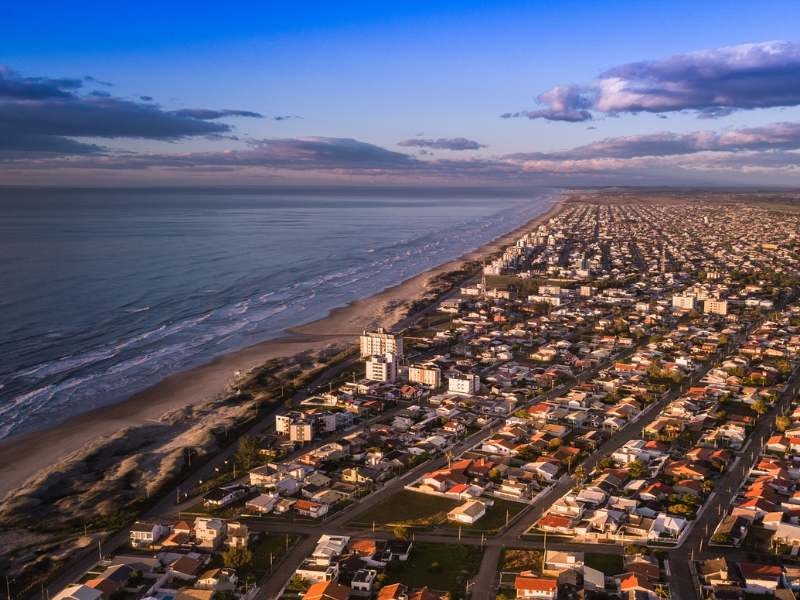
{"type": "Point", "coordinates": [406, 92]}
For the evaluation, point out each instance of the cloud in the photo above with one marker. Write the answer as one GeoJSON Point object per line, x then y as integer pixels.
{"type": "Point", "coordinates": [91, 79]}
{"type": "Point", "coordinates": [15, 87]}
{"type": "Point", "coordinates": [569, 103]}
{"type": "Point", "coordinates": [44, 115]}
{"type": "Point", "coordinates": [710, 83]}
{"type": "Point", "coordinates": [294, 154]}
{"type": "Point", "coordinates": [774, 137]}
{"type": "Point", "coordinates": [207, 114]}
{"type": "Point", "coordinates": [286, 117]}
{"type": "Point", "coordinates": [456, 144]}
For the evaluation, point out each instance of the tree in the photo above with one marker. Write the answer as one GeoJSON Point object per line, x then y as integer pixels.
{"type": "Point", "coordinates": [554, 444]}
{"type": "Point", "coordinates": [782, 423]}
{"type": "Point", "coordinates": [298, 584]}
{"type": "Point", "coordinates": [237, 557]}
{"type": "Point", "coordinates": [580, 473]}
{"type": "Point", "coordinates": [636, 469]}
{"type": "Point", "coordinates": [606, 463]}
{"type": "Point", "coordinates": [400, 532]}
{"type": "Point", "coordinates": [760, 407]}
{"type": "Point", "coordinates": [248, 454]}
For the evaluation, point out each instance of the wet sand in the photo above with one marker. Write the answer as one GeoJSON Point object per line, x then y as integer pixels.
{"type": "Point", "coordinates": [24, 455]}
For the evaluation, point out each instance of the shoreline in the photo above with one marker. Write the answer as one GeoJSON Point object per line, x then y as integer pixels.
{"type": "Point", "coordinates": [23, 456]}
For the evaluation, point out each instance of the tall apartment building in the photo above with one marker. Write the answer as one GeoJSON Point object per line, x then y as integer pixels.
{"type": "Point", "coordinates": [715, 306]}
{"type": "Point", "coordinates": [381, 342]}
{"type": "Point", "coordinates": [427, 375]}
{"type": "Point", "coordinates": [382, 367]}
{"type": "Point", "coordinates": [463, 383]}
{"type": "Point", "coordinates": [684, 302]}
{"type": "Point", "coordinates": [304, 427]}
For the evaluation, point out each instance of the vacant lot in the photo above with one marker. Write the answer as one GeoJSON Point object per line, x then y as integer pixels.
{"type": "Point", "coordinates": [444, 567]}
{"type": "Point", "coordinates": [517, 560]}
{"type": "Point", "coordinates": [610, 564]}
{"type": "Point", "coordinates": [409, 509]}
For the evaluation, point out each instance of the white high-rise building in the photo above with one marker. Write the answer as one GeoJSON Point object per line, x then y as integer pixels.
{"type": "Point", "coordinates": [463, 383]}
{"type": "Point", "coordinates": [684, 302]}
{"type": "Point", "coordinates": [381, 342]}
{"type": "Point", "coordinates": [382, 367]}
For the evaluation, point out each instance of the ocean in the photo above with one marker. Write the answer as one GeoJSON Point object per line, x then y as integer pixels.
{"type": "Point", "coordinates": [105, 292]}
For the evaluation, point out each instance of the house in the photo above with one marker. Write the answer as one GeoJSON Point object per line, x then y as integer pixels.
{"type": "Point", "coordinates": [732, 530]}
{"type": "Point", "coordinates": [78, 592]}
{"type": "Point", "coordinates": [527, 585]}
{"type": "Point", "coordinates": [760, 579]}
{"type": "Point", "coordinates": [112, 580]}
{"type": "Point", "coordinates": [363, 581]}
{"type": "Point", "coordinates": [187, 567]}
{"type": "Point", "coordinates": [209, 531]}
{"type": "Point", "coordinates": [468, 513]}
{"type": "Point", "coordinates": [238, 535]}
{"type": "Point", "coordinates": [327, 590]}
{"type": "Point", "coordinates": [545, 468]}
{"type": "Point", "coordinates": [558, 561]}
{"type": "Point", "coordinates": [666, 526]}
{"type": "Point", "coordinates": [308, 508]}
{"type": "Point", "coordinates": [144, 533]}
{"type": "Point", "coordinates": [399, 591]}
{"type": "Point", "coordinates": [219, 580]}
{"type": "Point", "coordinates": [262, 504]}
{"type": "Point", "coordinates": [636, 586]}
{"type": "Point", "coordinates": [225, 495]}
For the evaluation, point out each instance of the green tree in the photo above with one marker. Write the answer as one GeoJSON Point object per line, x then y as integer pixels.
{"type": "Point", "coordinates": [237, 557]}
{"type": "Point", "coordinates": [636, 469]}
{"type": "Point", "coordinates": [248, 454]}
{"type": "Point", "coordinates": [782, 423]}
{"type": "Point", "coordinates": [760, 407]}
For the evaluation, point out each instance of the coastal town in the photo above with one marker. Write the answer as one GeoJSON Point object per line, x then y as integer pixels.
{"type": "Point", "coordinates": [606, 408]}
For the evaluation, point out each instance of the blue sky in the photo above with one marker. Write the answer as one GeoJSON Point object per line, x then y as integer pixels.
{"type": "Point", "coordinates": [378, 74]}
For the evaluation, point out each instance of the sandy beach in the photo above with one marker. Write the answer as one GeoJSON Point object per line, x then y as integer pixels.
{"type": "Point", "coordinates": [25, 455]}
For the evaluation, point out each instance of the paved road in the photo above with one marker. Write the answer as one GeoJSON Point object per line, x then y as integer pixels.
{"type": "Point", "coordinates": [487, 574]}
{"type": "Point", "coordinates": [695, 543]}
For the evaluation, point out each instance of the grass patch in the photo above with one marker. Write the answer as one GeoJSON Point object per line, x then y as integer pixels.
{"type": "Point", "coordinates": [409, 509]}
{"type": "Point", "coordinates": [266, 544]}
{"type": "Point", "coordinates": [609, 564]}
{"type": "Point", "coordinates": [445, 567]}
{"type": "Point", "coordinates": [517, 560]}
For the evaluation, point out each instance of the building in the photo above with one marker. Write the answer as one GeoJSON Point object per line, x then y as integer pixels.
{"type": "Point", "coordinates": [78, 592]}
{"type": "Point", "coordinates": [463, 383]}
{"type": "Point", "coordinates": [468, 513]}
{"type": "Point", "coordinates": [715, 306]}
{"type": "Point", "coordinates": [427, 375]}
{"type": "Point", "coordinates": [683, 302]}
{"type": "Point", "coordinates": [145, 534]}
{"type": "Point", "coordinates": [528, 585]}
{"type": "Point", "coordinates": [305, 427]}
{"type": "Point", "coordinates": [327, 590]}
{"type": "Point", "coordinates": [381, 342]}
{"type": "Point", "coordinates": [382, 367]}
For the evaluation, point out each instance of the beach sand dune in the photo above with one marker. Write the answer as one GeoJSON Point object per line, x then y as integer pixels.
{"type": "Point", "coordinates": [23, 456]}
